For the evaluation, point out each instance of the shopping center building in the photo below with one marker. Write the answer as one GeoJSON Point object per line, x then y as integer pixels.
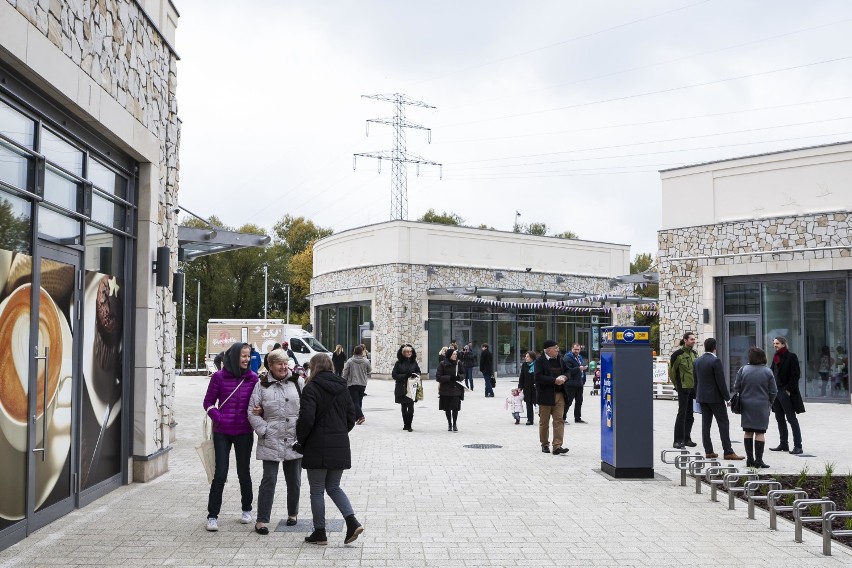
{"type": "Point", "coordinates": [89, 137]}
{"type": "Point", "coordinates": [425, 284]}
{"type": "Point", "coordinates": [758, 247]}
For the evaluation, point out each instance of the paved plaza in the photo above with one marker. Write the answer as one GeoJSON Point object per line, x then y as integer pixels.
{"type": "Point", "coordinates": [425, 499]}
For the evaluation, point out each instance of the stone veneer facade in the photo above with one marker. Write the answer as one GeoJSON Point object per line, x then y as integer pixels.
{"type": "Point", "coordinates": [117, 45]}
{"type": "Point", "coordinates": [400, 303]}
{"type": "Point", "coordinates": [687, 286]}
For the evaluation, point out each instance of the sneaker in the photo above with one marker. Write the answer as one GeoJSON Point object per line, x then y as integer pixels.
{"type": "Point", "coordinates": [212, 525]}
{"type": "Point", "coordinates": [245, 518]}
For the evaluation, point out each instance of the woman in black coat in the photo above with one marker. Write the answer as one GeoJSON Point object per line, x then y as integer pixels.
{"type": "Point", "coordinates": [450, 392]}
{"type": "Point", "coordinates": [338, 359]}
{"type": "Point", "coordinates": [326, 415]}
{"type": "Point", "coordinates": [406, 367]}
{"type": "Point", "coordinates": [526, 383]}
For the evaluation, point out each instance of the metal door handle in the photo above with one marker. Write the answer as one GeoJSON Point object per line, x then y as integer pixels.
{"type": "Point", "coordinates": [46, 360]}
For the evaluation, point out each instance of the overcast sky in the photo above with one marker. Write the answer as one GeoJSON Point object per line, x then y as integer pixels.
{"type": "Point", "coordinates": [562, 110]}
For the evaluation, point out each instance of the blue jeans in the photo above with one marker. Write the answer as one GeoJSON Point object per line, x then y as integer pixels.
{"type": "Point", "coordinates": [489, 391]}
{"type": "Point", "coordinates": [327, 481]}
{"type": "Point", "coordinates": [783, 409]}
{"type": "Point", "coordinates": [242, 451]}
{"type": "Point", "coordinates": [468, 377]}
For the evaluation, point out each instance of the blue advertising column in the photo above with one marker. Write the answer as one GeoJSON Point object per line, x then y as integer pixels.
{"type": "Point", "coordinates": [627, 412]}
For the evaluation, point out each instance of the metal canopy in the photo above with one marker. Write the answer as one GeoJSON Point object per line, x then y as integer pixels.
{"type": "Point", "coordinates": [194, 242]}
{"type": "Point", "coordinates": [544, 295]}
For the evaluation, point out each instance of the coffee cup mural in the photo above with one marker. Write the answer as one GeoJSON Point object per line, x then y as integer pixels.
{"type": "Point", "coordinates": [14, 366]}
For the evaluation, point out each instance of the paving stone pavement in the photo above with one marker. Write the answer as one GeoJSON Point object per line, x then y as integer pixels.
{"type": "Point", "coordinates": [426, 500]}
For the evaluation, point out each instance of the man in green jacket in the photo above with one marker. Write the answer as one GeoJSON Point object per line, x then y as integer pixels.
{"type": "Point", "coordinates": [681, 375]}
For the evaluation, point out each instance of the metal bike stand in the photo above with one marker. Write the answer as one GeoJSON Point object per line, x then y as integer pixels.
{"type": "Point", "coordinates": [799, 506]}
{"type": "Point", "coordinates": [714, 478]}
{"type": "Point", "coordinates": [751, 492]}
{"type": "Point", "coordinates": [729, 482]}
{"type": "Point", "coordinates": [697, 468]}
{"type": "Point", "coordinates": [682, 463]}
{"type": "Point", "coordinates": [774, 508]}
{"type": "Point", "coordinates": [664, 455]}
{"type": "Point", "coordinates": [828, 532]}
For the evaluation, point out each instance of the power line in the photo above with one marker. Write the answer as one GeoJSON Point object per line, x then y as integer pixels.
{"type": "Point", "coordinates": [647, 93]}
{"type": "Point", "coordinates": [557, 44]}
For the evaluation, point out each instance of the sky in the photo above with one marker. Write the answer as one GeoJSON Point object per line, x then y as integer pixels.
{"type": "Point", "coordinates": [563, 111]}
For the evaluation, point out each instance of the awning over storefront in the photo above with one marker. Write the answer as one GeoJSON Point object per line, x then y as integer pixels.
{"type": "Point", "coordinates": [195, 242]}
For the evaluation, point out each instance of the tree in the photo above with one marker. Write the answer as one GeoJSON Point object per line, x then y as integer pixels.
{"type": "Point", "coordinates": [539, 229]}
{"type": "Point", "coordinates": [567, 235]}
{"type": "Point", "coordinates": [301, 271]}
{"type": "Point", "coordinates": [14, 229]}
{"type": "Point", "coordinates": [644, 262]}
{"type": "Point", "coordinates": [297, 233]}
{"type": "Point", "coordinates": [441, 218]}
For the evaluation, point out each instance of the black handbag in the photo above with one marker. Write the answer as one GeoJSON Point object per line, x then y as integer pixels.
{"type": "Point", "coordinates": [736, 404]}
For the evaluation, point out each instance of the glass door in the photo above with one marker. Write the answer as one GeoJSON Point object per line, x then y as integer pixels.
{"type": "Point", "coordinates": [53, 386]}
{"type": "Point", "coordinates": [526, 340]}
{"type": "Point", "coordinates": [741, 333]}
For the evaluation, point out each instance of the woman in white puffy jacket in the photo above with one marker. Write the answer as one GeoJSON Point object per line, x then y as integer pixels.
{"type": "Point", "coordinates": [273, 411]}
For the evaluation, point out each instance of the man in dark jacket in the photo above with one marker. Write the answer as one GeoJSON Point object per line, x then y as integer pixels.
{"type": "Point", "coordinates": [550, 377]}
{"type": "Point", "coordinates": [574, 363]}
{"type": "Point", "coordinates": [468, 359]}
{"type": "Point", "coordinates": [681, 375]}
{"type": "Point", "coordinates": [785, 367]}
{"type": "Point", "coordinates": [486, 367]}
{"type": "Point", "coordinates": [711, 391]}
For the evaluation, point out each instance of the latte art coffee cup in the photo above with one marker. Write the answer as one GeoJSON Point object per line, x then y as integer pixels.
{"type": "Point", "coordinates": [15, 312]}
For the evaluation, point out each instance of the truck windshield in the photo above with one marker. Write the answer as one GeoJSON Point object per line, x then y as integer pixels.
{"type": "Point", "coordinates": [314, 344]}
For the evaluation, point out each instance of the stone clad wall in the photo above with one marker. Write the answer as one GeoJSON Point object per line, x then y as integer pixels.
{"type": "Point", "coordinates": [115, 43]}
{"type": "Point", "coordinates": [400, 293]}
{"type": "Point", "coordinates": [683, 288]}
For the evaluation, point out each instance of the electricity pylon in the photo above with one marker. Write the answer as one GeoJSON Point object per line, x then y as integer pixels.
{"type": "Point", "coordinates": [398, 155]}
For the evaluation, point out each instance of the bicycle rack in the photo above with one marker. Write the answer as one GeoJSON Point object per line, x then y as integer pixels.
{"type": "Point", "coordinates": [729, 482]}
{"type": "Point", "coordinates": [799, 506]}
{"type": "Point", "coordinates": [828, 531]}
{"type": "Point", "coordinates": [774, 508]}
{"type": "Point", "coordinates": [714, 478]}
{"type": "Point", "coordinates": [751, 488]}
{"type": "Point", "coordinates": [697, 469]}
{"type": "Point", "coordinates": [682, 463]}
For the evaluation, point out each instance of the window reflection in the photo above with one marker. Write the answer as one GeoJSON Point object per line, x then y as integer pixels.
{"type": "Point", "coordinates": [16, 126]}
{"type": "Point", "coordinates": [14, 224]}
{"type": "Point", "coordinates": [61, 152]}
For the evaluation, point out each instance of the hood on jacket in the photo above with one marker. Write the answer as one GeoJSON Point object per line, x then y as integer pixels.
{"type": "Point", "coordinates": [329, 382]}
{"type": "Point", "coordinates": [231, 359]}
{"type": "Point", "coordinates": [359, 360]}
{"type": "Point", "coordinates": [400, 357]}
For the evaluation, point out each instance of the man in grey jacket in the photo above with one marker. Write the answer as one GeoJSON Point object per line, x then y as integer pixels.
{"type": "Point", "coordinates": [711, 391]}
{"type": "Point", "coordinates": [357, 371]}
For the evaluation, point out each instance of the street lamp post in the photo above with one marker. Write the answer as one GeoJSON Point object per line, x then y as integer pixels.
{"type": "Point", "coordinates": [288, 303]}
{"type": "Point", "coordinates": [265, 288]}
{"type": "Point", "coordinates": [183, 328]}
{"type": "Point", "coordinates": [516, 226]}
{"type": "Point", "coordinates": [197, 321]}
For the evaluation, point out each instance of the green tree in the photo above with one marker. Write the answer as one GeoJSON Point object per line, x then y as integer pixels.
{"type": "Point", "coordinates": [567, 235]}
{"type": "Point", "coordinates": [297, 233]}
{"type": "Point", "coordinates": [301, 271]}
{"type": "Point", "coordinates": [14, 229]}
{"type": "Point", "coordinates": [644, 262]}
{"type": "Point", "coordinates": [539, 229]}
{"type": "Point", "coordinates": [442, 218]}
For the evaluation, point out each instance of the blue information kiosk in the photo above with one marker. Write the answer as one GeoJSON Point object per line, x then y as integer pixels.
{"type": "Point", "coordinates": [627, 412]}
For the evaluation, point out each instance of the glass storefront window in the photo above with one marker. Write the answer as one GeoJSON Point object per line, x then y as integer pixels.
{"type": "Point", "coordinates": [16, 126]}
{"type": "Point", "coordinates": [781, 313]}
{"type": "Point", "coordinates": [106, 180]}
{"type": "Point", "coordinates": [742, 299]}
{"type": "Point", "coordinates": [15, 224]}
{"type": "Point", "coordinates": [58, 226]}
{"type": "Point", "coordinates": [14, 166]}
{"type": "Point", "coordinates": [61, 153]}
{"type": "Point", "coordinates": [825, 365]}
{"type": "Point", "coordinates": [106, 212]}
{"type": "Point", "coordinates": [60, 190]}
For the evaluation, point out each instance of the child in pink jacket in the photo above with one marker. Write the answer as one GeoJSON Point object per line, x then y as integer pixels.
{"type": "Point", "coordinates": [515, 404]}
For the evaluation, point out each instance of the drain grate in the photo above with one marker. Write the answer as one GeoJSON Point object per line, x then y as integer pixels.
{"type": "Point", "coordinates": [482, 446]}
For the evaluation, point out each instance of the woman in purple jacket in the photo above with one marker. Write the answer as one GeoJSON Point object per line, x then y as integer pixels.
{"type": "Point", "coordinates": [226, 402]}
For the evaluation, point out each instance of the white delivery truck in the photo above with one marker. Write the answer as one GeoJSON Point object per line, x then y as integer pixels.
{"type": "Point", "coordinates": [263, 334]}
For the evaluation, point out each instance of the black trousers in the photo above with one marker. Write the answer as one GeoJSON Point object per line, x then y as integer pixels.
{"type": "Point", "coordinates": [719, 411]}
{"type": "Point", "coordinates": [575, 395]}
{"type": "Point", "coordinates": [407, 413]}
{"type": "Point", "coordinates": [222, 444]}
{"type": "Point", "coordinates": [356, 392]}
{"type": "Point", "coordinates": [530, 402]}
{"type": "Point", "coordinates": [685, 417]}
